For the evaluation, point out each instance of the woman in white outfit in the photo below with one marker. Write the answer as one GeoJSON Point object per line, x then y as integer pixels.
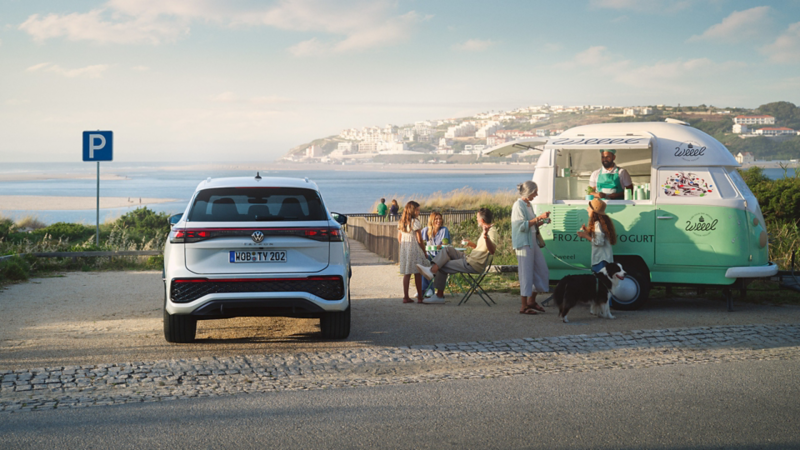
{"type": "Point", "coordinates": [534, 276]}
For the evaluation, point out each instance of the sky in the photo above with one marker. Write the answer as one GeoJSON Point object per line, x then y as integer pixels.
{"type": "Point", "coordinates": [244, 80]}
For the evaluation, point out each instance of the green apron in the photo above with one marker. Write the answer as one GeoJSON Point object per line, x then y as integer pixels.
{"type": "Point", "coordinates": [609, 183]}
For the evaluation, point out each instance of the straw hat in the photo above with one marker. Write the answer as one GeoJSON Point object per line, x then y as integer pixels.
{"type": "Point", "coordinates": [598, 206]}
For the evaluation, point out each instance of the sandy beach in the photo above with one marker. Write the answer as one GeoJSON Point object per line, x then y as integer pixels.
{"type": "Point", "coordinates": [46, 203]}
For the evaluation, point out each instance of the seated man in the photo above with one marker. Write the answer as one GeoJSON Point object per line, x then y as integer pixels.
{"type": "Point", "coordinates": [450, 260]}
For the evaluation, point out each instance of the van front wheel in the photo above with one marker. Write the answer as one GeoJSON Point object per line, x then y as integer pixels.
{"type": "Point", "coordinates": [642, 290]}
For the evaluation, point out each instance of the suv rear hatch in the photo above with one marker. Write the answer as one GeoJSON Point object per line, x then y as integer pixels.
{"type": "Point", "coordinates": [257, 231]}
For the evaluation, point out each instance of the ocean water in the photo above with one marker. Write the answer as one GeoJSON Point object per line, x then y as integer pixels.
{"type": "Point", "coordinates": [343, 191]}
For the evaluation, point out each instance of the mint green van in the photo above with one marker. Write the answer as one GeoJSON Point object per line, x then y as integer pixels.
{"type": "Point", "coordinates": [689, 220]}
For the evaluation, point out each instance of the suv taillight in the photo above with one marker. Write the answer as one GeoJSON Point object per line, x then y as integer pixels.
{"type": "Point", "coordinates": [188, 235]}
{"type": "Point", "coordinates": [182, 235]}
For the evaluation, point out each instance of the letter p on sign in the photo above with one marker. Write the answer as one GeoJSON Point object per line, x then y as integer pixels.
{"type": "Point", "coordinates": [98, 145]}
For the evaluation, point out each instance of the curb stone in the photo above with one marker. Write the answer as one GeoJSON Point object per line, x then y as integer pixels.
{"type": "Point", "coordinates": [153, 381]}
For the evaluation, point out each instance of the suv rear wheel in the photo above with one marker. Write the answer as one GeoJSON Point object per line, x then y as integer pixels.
{"type": "Point", "coordinates": [178, 328]}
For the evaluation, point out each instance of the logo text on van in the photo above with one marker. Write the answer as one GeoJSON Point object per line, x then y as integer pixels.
{"type": "Point", "coordinates": [701, 224]}
{"type": "Point", "coordinates": [597, 141]}
{"type": "Point", "coordinates": [690, 152]}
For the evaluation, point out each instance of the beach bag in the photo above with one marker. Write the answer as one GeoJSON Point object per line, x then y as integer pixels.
{"type": "Point", "coordinates": [539, 238]}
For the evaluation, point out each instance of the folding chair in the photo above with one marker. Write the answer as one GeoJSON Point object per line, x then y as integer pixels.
{"type": "Point", "coordinates": [474, 281]}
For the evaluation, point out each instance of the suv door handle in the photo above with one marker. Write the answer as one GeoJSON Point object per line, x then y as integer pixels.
{"type": "Point", "coordinates": [664, 217]}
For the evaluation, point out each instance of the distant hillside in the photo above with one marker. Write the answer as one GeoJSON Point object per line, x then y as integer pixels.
{"type": "Point", "coordinates": [715, 121]}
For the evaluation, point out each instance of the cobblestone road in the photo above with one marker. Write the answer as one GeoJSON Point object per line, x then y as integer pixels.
{"type": "Point", "coordinates": [107, 384]}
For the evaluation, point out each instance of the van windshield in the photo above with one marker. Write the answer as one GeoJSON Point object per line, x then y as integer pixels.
{"type": "Point", "coordinates": [574, 169]}
{"type": "Point", "coordinates": [257, 205]}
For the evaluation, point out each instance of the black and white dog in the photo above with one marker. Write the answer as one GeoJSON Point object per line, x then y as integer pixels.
{"type": "Point", "coordinates": [593, 289]}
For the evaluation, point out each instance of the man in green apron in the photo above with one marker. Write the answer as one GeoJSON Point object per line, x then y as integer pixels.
{"type": "Point", "coordinates": [610, 181]}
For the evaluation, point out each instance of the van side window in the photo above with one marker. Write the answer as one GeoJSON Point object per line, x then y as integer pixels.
{"type": "Point", "coordinates": [574, 170]}
{"type": "Point", "coordinates": [685, 182]}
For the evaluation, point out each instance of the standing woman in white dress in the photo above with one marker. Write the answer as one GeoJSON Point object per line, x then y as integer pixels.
{"type": "Point", "coordinates": [534, 276]}
{"type": "Point", "coordinates": [412, 249]}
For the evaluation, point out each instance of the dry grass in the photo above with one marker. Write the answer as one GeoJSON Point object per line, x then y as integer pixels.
{"type": "Point", "coordinates": [457, 200]}
{"type": "Point", "coordinates": [30, 222]}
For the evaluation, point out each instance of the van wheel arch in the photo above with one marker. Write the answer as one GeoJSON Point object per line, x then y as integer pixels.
{"type": "Point", "coordinates": [638, 270]}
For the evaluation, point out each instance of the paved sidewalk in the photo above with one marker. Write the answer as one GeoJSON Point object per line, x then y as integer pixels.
{"type": "Point", "coordinates": [107, 384]}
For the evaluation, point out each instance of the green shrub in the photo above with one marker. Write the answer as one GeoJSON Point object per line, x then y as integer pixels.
{"type": "Point", "coordinates": [6, 227]}
{"type": "Point", "coordinates": [15, 269]}
{"type": "Point", "coordinates": [779, 199]}
{"type": "Point", "coordinates": [65, 231]}
{"type": "Point", "coordinates": [143, 224]}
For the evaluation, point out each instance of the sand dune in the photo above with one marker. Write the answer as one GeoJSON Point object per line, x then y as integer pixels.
{"type": "Point", "coordinates": [46, 203]}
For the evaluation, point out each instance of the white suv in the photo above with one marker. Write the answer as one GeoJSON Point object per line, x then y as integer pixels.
{"type": "Point", "coordinates": [256, 247]}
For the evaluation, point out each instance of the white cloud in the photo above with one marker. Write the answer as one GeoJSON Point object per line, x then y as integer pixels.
{"type": "Point", "coordinates": [225, 97]}
{"type": "Point", "coordinates": [644, 6]}
{"type": "Point", "coordinates": [739, 26]}
{"type": "Point", "coordinates": [354, 25]}
{"type": "Point", "coordinates": [599, 62]}
{"type": "Point", "coordinates": [17, 102]}
{"type": "Point", "coordinates": [93, 71]}
{"type": "Point", "coordinates": [786, 48]}
{"type": "Point", "coordinates": [596, 56]}
{"type": "Point", "coordinates": [140, 68]}
{"type": "Point", "coordinates": [104, 26]}
{"type": "Point", "coordinates": [269, 99]}
{"type": "Point", "coordinates": [474, 45]}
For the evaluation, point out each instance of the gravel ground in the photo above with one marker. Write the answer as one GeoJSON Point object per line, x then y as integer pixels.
{"type": "Point", "coordinates": [94, 339]}
{"type": "Point", "coordinates": [114, 317]}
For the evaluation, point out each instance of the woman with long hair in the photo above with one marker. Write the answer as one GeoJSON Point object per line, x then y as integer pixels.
{"type": "Point", "coordinates": [412, 249]}
{"type": "Point", "coordinates": [600, 233]}
{"type": "Point", "coordinates": [534, 276]}
{"type": "Point", "coordinates": [394, 209]}
{"type": "Point", "coordinates": [437, 235]}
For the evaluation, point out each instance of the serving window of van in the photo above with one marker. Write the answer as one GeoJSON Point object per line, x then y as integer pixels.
{"type": "Point", "coordinates": [574, 169]}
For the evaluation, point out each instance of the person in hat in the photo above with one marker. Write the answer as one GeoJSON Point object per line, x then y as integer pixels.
{"type": "Point", "coordinates": [610, 181]}
{"type": "Point", "coordinates": [600, 233]}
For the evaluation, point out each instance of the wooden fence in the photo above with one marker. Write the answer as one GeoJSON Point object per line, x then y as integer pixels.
{"type": "Point", "coordinates": [379, 234]}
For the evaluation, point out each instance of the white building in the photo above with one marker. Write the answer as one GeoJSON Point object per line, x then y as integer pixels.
{"type": "Point", "coordinates": [539, 118]}
{"type": "Point", "coordinates": [315, 151]}
{"type": "Point", "coordinates": [779, 131]}
{"type": "Point", "coordinates": [347, 147]}
{"type": "Point", "coordinates": [740, 128]}
{"type": "Point", "coordinates": [368, 147]}
{"type": "Point", "coordinates": [487, 130]}
{"type": "Point", "coordinates": [745, 158]}
{"type": "Point", "coordinates": [754, 120]}
{"type": "Point", "coordinates": [464, 129]}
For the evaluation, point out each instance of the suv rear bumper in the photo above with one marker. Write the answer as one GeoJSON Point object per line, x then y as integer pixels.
{"type": "Point", "coordinates": [218, 297]}
{"type": "Point", "coordinates": [277, 307]}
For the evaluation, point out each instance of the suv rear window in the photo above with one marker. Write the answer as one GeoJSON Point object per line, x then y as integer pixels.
{"type": "Point", "coordinates": [257, 205]}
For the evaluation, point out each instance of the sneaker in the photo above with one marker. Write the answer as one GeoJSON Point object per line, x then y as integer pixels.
{"type": "Point", "coordinates": [425, 271]}
{"type": "Point", "coordinates": [429, 294]}
{"type": "Point", "coordinates": [434, 300]}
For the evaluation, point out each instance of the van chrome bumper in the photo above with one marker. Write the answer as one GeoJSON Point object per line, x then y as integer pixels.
{"type": "Point", "coordinates": [769, 270]}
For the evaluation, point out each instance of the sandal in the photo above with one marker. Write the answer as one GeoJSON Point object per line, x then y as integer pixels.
{"type": "Point", "coordinates": [407, 300]}
{"type": "Point", "coordinates": [529, 311]}
{"type": "Point", "coordinates": [536, 306]}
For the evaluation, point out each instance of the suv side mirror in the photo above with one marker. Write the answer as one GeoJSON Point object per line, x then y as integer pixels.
{"type": "Point", "coordinates": [175, 219]}
{"type": "Point", "coordinates": [341, 218]}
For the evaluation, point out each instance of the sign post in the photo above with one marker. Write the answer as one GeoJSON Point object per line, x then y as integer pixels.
{"type": "Point", "coordinates": [98, 146]}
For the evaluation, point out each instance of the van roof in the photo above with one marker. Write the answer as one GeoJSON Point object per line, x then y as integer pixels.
{"type": "Point", "coordinates": [673, 144]}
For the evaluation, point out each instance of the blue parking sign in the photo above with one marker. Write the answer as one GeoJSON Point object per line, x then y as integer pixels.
{"type": "Point", "coordinates": [98, 145]}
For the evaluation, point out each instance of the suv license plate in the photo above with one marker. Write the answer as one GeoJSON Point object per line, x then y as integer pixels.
{"type": "Point", "coordinates": [272, 256]}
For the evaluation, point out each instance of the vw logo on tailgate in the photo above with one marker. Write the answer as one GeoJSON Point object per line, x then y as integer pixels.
{"type": "Point", "coordinates": [257, 236]}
